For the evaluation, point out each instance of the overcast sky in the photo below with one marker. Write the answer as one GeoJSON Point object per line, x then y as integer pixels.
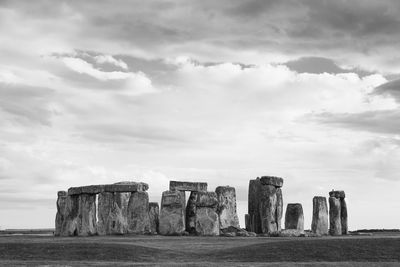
{"type": "Point", "coordinates": [95, 92]}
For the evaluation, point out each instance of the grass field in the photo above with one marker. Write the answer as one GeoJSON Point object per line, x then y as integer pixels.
{"type": "Point", "coordinates": [375, 250]}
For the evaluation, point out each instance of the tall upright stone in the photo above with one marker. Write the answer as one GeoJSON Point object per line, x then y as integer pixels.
{"type": "Point", "coordinates": [112, 213]}
{"type": "Point", "coordinates": [207, 219]}
{"type": "Point", "coordinates": [172, 213]}
{"type": "Point", "coordinates": [87, 215]}
{"type": "Point", "coordinates": [294, 217]}
{"type": "Point", "coordinates": [343, 216]}
{"type": "Point", "coordinates": [268, 204]}
{"type": "Point", "coordinates": [320, 222]}
{"type": "Point", "coordinates": [279, 208]}
{"type": "Point", "coordinates": [191, 213]}
{"type": "Point", "coordinates": [335, 225]}
{"type": "Point", "coordinates": [227, 207]}
{"type": "Point", "coordinates": [254, 220]}
{"type": "Point", "coordinates": [61, 211]}
{"type": "Point", "coordinates": [154, 214]}
{"type": "Point", "coordinates": [138, 213]}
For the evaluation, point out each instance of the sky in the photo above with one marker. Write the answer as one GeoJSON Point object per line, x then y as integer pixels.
{"type": "Point", "coordinates": [95, 92]}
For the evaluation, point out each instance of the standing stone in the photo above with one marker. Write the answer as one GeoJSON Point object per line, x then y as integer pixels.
{"type": "Point", "coordinates": [112, 213]}
{"type": "Point", "coordinates": [71, 219]}
{"type": "Point", "coordinates": [61, 211]}
{"type": "Point", "coordinates": [279, 208]}
{"type": "Point", "coordinates": [138, 213]}
{"type": "Point", "coordinates": [319, 224]}
{"type": "Point", "coordinates": [343, 216]}
{"type": "Point", "coordinates": [227, 207]}
{"type": "Point", "coordinates": [207, 221]}
{"type": "Point", "coordinates": [172, 214]}
{"type": "Point", "coordinates": [254, 206]}
{"type": "Point", "coordinates": [335, 226]}
{"type": "Point", "coordinates": [154, 217]}
{"type": "Point", "coordinates": [87, 215]}
{"type": "Point", "coordinates": [294, 217]}
{"type": "Point", "coordinates": [268, 205]}
{"type": "Point", "coordinates": [191, 213]}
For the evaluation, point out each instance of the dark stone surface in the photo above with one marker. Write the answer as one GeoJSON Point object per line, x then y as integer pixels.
{"type": "Point", "coordinates": [294, 217]}
{"type": "Point", "coordinates": [337, 193]}
{"type": "Point", "coordinates": [343, 216]}
{"type": "Point", "coordinates": [227, 207]}
{"type": "Point", "coordinates": [254, 206]}
{"type": "Point", "coordinates": [335, 225]}
{"type": "Point", "coordinates": [187, 186]}
{"type": "Point", "coordinates": [207, 199]}
{"type": "Point", "coordinates": [271, 180]}
{"type": "Point", "coordinates": [154, 215]}
{"type": "Point", "coordinates": [138, 213]}
{"type": "Point", "coordinates": [191, 213]}
{"type": "Point", "coordinates": [268, 204]}
{"type": "Point", "coordinates": [172, 213]}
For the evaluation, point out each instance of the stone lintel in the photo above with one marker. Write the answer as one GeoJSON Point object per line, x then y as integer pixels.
{"type": "Point", "coordinates": [271, 180]}
{"type": "Point", "coordinates": [96, 189]}
{"type": "Point", "coordinates": [187, 186]}
{"type": "Point", "coordinates": [337, 194]}
{"type": "Point", "coordinates": [62, 193]}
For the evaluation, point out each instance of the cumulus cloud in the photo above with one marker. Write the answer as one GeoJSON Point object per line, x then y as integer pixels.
{"type": "Point", "coordinates": [101, 59]}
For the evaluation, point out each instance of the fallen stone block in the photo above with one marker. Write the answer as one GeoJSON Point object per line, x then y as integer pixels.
{"type": "Point", "coordinates": [271, 180]}
{"type": "Point", "coordinates": [294, 217]}
{"type": "Point", "coordinates": [172, 213]}
{"type": "Point", "coordinates": [291, 233]}
{"type": "Point", "coordinates": [320, 222]}
{"type": "Point", "coordinates": [226, 196]}
{"type": "Point", "coordinates": [187, 186]}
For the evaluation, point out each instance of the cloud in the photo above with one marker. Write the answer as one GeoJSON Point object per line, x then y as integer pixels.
{"type": "Point", "coordinates": [391, 88]}
{"type": "Point", "coordinates": [101, 59]}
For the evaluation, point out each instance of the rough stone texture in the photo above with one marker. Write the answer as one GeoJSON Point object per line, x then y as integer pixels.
{"type": "Point", "coordinates": [294, 217]}
{"type": "Point", "coordinates": [320, 223]}
{"type": "Point", "coordinates": [254, 206]}
{"type": "Point", "coordinates": [191, 213]}
{"type": "Point", "coordinates": [271, 180]}
{"type": "Point", "coordinates": [279, 208]}
{"type": "Point", "coordinates": [89, 189]}
{"type": "Point", "coordinates": [117, 187]}
{"type": "Point", "coordinates": [247, 221]}
{"type": "Point", "coordinates": [337, 194]}
{"type": "Point", "coordinates": [87, 215]}
{"type": "Point", "coordinates": [126, 187]}
{"type": "Point", "coordinates": [61, 211]}
{"type": "Point", "coordinates": [227, 207]}
{"type": "Point", "coordinates": [187, 186]}
{"type": "Point", "coordinates": [154, 214]}
{"type": "Point", "coordinates": [207, 219]}
{"type": "Point", "coordinates": [291, 233]}
{"type": "Point", "coordinates": [335, 227]}
{"type": "Point", "coordinates": [172, 214]}
{"type": "Point", "coordinates": [268, 204]}
{"type": "Point", "coordinates": [138, 213]}
{"type": "Point", "coordinates": [343, 216]}
{"type": "Point", "coordinates": [112, 213]}
{"type": "Point", "coordinates": [71, 219]}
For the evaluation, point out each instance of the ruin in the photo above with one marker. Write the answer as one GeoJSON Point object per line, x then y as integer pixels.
{"type": "Point", "coordinates": [124, 208]}
{"type": "Point", "coordinates": [337, 213]}
{"type": "Point", "coordinates": [265, 205]}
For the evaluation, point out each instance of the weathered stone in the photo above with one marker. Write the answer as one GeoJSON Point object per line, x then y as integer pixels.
{"type": "Point", "coordinates": [172, 213]}
{"type": "Point", "coordinates": [320, 223]}
{"type": "Point", "coordinates": [87, 215]}
{"type": "Point", "coordinates": [279, 208]}
{"type": "Point", "coordinates": [254, 206]}
{"type": "Point", "coordinates": [294, 217]}
{"type": "Point", "coordinates": [268, 204]}
{"type": "Point", "coordinates": [187, 186]}
{"type": "Point", "coordinates": [335, 226]}
{"type": "Point", "coordinates": [154, 214]}
{"type": "Point", "coordinates": [207, 199]}
{"type": "Point", "coordinates": [191, 213]}
{"type": "Point", "coordinates": [71, 219]}
{"type": "Point", "coordinates": [207, 222]}
{"type": "Point", "coordinates": [126, 187]}
{"type": "Point", "coordinates": [247, 221]}
{"type": "Point", "coordinates": [343, 216]}
{"type": "Point", "coordinates": [138, 213]}
{"type": "Point", "coordinates": [271, 180]}
{"type": "Point", "coordinates": [337, 194]}
{"type": "Point", "coordinates": [227, 207]}
{"type": "Point", "coordinates": [112, 213]}
{"type": "Point", "coordinates": [61, 211]}
{"type": "Point", "coordinates": [291, 233]}
{"type": "Point", "coordinates": [89, 189]}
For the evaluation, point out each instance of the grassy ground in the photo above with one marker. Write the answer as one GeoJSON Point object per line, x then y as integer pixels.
{"type": "Point", "coordinates": [376, 250]}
